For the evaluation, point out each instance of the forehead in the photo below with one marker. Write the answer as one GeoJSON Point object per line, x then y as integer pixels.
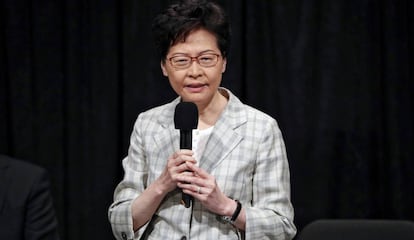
{"type": "Point", "coordinates": [196, 42]}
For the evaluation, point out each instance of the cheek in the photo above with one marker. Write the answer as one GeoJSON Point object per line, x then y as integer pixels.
{"type": "Point", "coordinates": [176, 80]}
{"type": "Point", "coordinates": [216, 75]}
{"type": "Point", "coordinates": [175, 85]}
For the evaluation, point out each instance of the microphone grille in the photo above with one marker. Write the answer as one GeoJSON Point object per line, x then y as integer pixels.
{"type": "Point", "coordinates": [186, 116]}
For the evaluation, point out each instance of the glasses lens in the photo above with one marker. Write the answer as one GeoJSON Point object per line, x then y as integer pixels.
{"type": "Point", "coordinates": [180, 61]}
{"type": "Point", "coordinates": [205, 60]}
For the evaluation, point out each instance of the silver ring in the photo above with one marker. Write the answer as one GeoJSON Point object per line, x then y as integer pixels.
{"type": "Point", "coordinates": [199, 190]}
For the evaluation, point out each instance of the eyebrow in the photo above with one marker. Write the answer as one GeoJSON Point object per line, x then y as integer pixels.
{"type": "Point", "coordinates": [200, 53]}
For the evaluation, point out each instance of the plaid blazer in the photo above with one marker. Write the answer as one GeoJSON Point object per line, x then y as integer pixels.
{"type": "Point", "coordinates": [245, 153]}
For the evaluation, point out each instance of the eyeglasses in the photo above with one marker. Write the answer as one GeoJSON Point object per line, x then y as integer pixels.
{"type": "Point", "coordinates": [185, 61]}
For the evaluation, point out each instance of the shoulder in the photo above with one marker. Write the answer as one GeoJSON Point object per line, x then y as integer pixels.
{"type": "Point", "coordinates": [160, 115]}
{"type": "Point", "coordinates": [252, 114]}
{"type": "Point", "coordinates": [159, 110]}
{"type": "Point", "coordinates": [20, 168]}
{"type": "Point", "coordinates": [28, 178]}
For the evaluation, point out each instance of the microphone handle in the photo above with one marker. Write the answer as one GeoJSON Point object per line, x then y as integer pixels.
{"type": "Point", "coordinates": [186, 140]}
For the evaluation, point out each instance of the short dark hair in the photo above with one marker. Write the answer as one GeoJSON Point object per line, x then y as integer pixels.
{"type": "Point", "coordinates": [176, 22]}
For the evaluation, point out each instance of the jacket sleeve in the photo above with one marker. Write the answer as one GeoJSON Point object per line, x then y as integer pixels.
{"type": "Point", "coordinates": [133, 183]}
{"type": "Point", "coordinates": [270, 215]}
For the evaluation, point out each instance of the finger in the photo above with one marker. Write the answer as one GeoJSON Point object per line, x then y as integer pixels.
{"type": "Point", "coordinates": [187, 152]}
{"type": "Point", "coordinates": [185, 186]}
{"type": "Point", "coordinates": [172, 163]}
{"type": "Point", "coordinates": [196, 189]}
{"type": "Point", "coordinates": [187, 173]}
{"type": "Point", "coordinates": [191, 179]}
{"type": "Point", "coordinates": [190, 187]}
{"type": "Point", "coordinates": [180, 159]}
{"type": "Point", "coordinates": [182, 152]}
{"type": "Point", "coordinates": [189, 192]}
{"type": "Point", "coordinates": [185, 155]}
{"type": "Point", "coordinates": [198, 171]}
{"type": "Point", "coordinates": [181, 169]}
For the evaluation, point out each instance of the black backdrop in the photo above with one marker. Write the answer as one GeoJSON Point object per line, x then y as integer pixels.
{"type": "Point", "coordinates": [337, 75]}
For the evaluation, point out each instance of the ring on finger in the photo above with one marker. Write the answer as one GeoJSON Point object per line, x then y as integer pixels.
{"type": "Point", "coordinates": [199, 190]}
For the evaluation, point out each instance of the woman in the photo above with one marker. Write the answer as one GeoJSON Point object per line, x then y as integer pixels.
{"type": "Point", "coordinates": [237, 172]}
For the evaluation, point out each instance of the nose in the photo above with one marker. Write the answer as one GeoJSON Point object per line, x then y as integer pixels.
{"type": "Point", "coordinates": [195, 69]}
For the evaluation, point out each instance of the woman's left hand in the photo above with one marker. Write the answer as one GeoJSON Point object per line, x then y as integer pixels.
{"type": "Point", "coordinates": [203, 186]}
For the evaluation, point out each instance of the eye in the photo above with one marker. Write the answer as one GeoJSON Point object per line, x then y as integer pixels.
{"type": "Point", "coordinates": [180, 60]}
{"type": "Point", "coordinates": [207, 58]}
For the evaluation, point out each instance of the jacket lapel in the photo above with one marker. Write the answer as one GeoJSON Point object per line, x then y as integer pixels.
{"type": "Point", "coordinates": [225, 136]}
{"type": "Point", "coordinates": [168, 139]}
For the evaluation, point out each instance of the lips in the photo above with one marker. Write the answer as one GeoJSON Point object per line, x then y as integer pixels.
{"type": "Point", "coordinates": [196, 87]}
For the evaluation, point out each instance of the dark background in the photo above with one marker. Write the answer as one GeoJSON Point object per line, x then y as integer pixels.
{"type": "Point", "coordinates": [337, 75]}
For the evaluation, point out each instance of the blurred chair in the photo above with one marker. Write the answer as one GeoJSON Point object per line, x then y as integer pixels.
{"type": "Point", "coordinates": [357, 229]}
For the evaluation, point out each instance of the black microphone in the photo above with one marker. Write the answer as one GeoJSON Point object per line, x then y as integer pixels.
{"type": "Point", "coordinates": [186, 119]}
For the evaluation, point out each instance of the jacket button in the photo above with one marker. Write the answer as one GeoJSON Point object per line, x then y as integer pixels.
{"type": "Point", "coordinates": [183, 238]}
{"type": "Point", "coordinates": [124, 236]}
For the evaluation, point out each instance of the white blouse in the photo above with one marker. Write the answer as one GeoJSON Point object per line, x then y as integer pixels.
{"type": "Point", "coordinates": [200, 138]}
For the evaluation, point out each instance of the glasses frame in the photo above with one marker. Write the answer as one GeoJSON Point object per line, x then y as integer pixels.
{"type": "Point", "coordinates": [194, 59]}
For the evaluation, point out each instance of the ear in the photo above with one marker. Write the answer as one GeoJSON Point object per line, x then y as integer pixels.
{"type": "Point", "coordinates": [163, 68]}
{"type": "Point", "coordinates": [223, 69]}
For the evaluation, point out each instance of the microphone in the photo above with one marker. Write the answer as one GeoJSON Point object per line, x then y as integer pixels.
{"type": "Point", "coordinates": [186, 119]}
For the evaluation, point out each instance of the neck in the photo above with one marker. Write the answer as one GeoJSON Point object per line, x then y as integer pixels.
{"type": "Point", "coordinates": [209, 114]}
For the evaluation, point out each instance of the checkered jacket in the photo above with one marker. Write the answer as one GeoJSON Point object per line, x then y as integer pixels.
{"type": "Point", "coordinates": [245, 153]}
